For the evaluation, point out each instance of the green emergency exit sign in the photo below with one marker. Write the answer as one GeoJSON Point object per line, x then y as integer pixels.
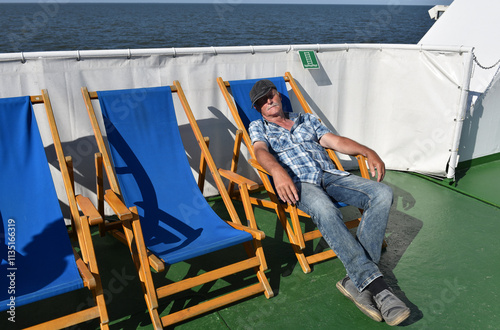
{"type": "Point", "coordinates": [308, 59]}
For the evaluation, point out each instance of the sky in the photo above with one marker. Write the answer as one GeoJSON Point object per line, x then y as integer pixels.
{"type": "Point", "coordinates": [364, 2]}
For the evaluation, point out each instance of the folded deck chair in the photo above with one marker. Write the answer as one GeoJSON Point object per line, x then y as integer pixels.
{"type": "Point", "coordinates": [236, 94]}
{"type": "Point", "coordinates": [38, 260]}
{"type": "Point", "coordinates": [161, 208]}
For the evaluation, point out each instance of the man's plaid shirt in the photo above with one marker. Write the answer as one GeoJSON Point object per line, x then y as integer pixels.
{"type": "Point", "coordinates": [297, 150]}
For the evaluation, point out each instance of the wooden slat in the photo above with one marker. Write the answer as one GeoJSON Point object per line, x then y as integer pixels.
{"type": "Point", "coordinates": [207, 277]}
{"type": "Point", "coordinates": [211, 304]}
{"type": "Point", "coordinates": [321, 256]}
{"type": "Point", "coordinates": [309, 236]}
{"type": "Point", "coordinates": [70, 320]}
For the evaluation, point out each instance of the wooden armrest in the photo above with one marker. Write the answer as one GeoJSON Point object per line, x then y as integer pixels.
{"type": "Point", "coordinates": [89, 210]}
{"type": "Point", "coordinates": [256, 165]}
{"type": "Point", "coordinates": [257, 234]}
{"type": "Point", "coordinates": [239, 179]}
{"type": "Point", "coordinates": [121, 211]}
{"type": "Point", "coordinates": [87, 277]}
{"type": "Point", "coordinates": [363, 169]}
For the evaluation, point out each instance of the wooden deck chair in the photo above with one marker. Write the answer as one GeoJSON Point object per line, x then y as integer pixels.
{"type": "Point", "coordinates": [38, 260]}
{"type": "Point", "coordinates": [162, 210]}
{"type": "Point", "coordinates": [236, 94]}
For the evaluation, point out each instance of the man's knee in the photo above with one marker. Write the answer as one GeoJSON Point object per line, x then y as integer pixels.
{"type": "Point", "coordinates": [385, 194]}
{"type": "Point", "coordinates": [320, 207]}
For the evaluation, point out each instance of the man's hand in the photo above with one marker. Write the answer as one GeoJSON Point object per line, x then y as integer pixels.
{"type": "Point", "coordinates": [375, 163]}
{"type": "Point", "coordinates": [350, 147]}
{"type": "Point", "coordinates": [285, 188]}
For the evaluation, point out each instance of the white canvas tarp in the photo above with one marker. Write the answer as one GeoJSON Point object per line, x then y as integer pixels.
{"type": "Point", "coordinates": [405, 102]}
{"type": "Point", "coordinates": [470, 23]}
{"type": "Point", "coordinates": [474, 23]}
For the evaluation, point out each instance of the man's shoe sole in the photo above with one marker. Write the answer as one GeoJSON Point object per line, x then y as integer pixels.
{"type": "Point", "coordinates": [404, 315]}
{"type": "Point", "coordinates": [374, 316]}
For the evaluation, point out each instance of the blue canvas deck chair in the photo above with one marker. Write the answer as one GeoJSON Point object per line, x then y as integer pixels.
{"type": "Point", "coordinates": [165, 218]}
{"type": "Point", "coordinates": [38, 260]}
{"type": "Point", "coordinates": [236, 94]}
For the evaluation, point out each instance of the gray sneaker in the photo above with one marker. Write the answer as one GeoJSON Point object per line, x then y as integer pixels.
{"type": "Point", "coordinates": [393, 310]}
{"type": "Point", "coordinates": [364, 299]}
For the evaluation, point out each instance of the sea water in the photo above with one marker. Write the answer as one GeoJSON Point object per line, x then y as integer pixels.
{"type": "Point", "coordinates": [45, 26]}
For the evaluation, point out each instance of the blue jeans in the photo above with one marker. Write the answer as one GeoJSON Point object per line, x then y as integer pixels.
{"type": "Point", "coordinates": [361, 254]}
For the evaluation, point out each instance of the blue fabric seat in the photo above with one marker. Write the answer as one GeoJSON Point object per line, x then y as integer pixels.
{"type": "Point", "coordinates": [37, 257]}
{"type": "Point", "coordinates": [34, 234]}
{"type": "Point", "coordinates": [154, 174]}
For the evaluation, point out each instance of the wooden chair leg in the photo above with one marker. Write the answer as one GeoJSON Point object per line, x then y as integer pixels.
{"type": "Point", "coordinates": [133, 233]}
{"type": "Point", "coordinates": [203, 167]}
{"type": "Point", "coordinates": [100, 191]}
{"type": "Point", "coordinates": [296, 227]}
{"type": "Point", "coordinates": [294, 241]}
{"type": "Point", "coordinates": [235, 158]}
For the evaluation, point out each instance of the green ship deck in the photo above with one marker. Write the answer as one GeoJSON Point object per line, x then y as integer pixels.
{"type": "Point", "coordinates": [441, 259]}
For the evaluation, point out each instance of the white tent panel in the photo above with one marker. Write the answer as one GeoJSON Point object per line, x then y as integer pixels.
{"type": "Point", "coordinates": [481, 133]}
{"type": "Point", "coordinates": [474, 23]}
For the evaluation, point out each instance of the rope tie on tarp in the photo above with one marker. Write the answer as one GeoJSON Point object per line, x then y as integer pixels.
{"type": "Point", "coordinates": [474, 57]}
